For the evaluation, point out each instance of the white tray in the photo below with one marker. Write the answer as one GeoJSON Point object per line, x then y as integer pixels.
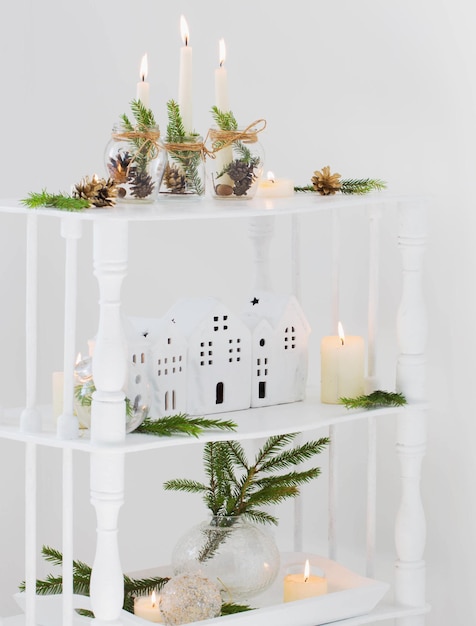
{"type": "Point", "coordinates": [349, 595]}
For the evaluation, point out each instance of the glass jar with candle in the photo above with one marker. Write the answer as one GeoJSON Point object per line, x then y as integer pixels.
{"type": "Point", "coordinates": [236, 163]}
{"type": "Point", "coordinates": [135, 161]}
{"type": "Point", "coordinates": [240, 555]}
{"type": "Point", "coordinates": [184, 174]}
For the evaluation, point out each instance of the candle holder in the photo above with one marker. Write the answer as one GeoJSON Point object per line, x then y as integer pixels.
{"type": "Point", "coordinates": [229, 549]}
{"type": "Point", "coordinates": [136, 160]}
{"type": "Point", "coordinates": [237, 165]}
{"type": "Point", "coordinates": [184, 174]}
{"type": "Point", "coordinates": [303, 581]}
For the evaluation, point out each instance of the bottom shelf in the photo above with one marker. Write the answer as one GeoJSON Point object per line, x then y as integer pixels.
{"type": "Point", "coordinates": [351, 600]}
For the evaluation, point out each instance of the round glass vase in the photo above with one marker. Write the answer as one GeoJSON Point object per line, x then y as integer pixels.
{"type": "Point", "coordinates": [184, 175]}
{"type": "Point", "coordinates": [232, 551]}
{"type": "Point", "coordinates": [238, 164]}
{"type": "Point", "coordinates": [135, 161]}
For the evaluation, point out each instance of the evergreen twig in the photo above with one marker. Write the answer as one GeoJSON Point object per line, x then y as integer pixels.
{"type": "Point", "coordinates": [357, 186]}
{"type": "Point", "coordinates": [56, 201]}
{"type": "Point", "coordinates": [143, 148]}
{"type": "Point", "coordinates": [189, 160]}
{"type": "Point", "coordinates": [183, 424]}
{"type": "Point", "coordinates": [375, 400]}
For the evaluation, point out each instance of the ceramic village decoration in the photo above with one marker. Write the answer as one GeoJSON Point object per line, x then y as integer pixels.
{"type": "Point", "coordinates": [202, 358]}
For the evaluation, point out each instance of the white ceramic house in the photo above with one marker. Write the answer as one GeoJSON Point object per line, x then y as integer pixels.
{"type": "Point", "coordinates": [137, 342]}
{"type": "Point", "coordinates": [166, 359]}
{"type": "Point", "coordinates": [218, 358]}
{"type": "Point", "coordinates": [280, 336]}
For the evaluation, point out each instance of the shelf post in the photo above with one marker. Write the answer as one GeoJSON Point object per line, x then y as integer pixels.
{"type": "Point", "coordinates": [410, 527]}
{"type": "Point", "coordinates": [260, 231]}
{"type": "Point", "coordinates": [108, 419]}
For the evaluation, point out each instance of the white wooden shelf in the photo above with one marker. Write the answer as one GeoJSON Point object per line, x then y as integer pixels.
{"type": "Point", "coordinates": [108, 444]}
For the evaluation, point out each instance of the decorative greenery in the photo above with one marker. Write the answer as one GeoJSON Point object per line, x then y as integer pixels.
{"type": "Point", "coordinates": [56, 201]}
{"type": "Point", "coordinates": [239, 487]}
{"type": "Point", "coordinates": [226, 121]}
{"type": "Point", "coordinates": [144, 147]}
{"type": "Point", "coordinates": [326, 183]}
{"type": "Point", "coordinates": [133, 587]}
{"type": "Point", "coordinates": [374, 400]}
{"type": "Point", "coordinates": [182, 424]}
{"type": "Point", "coordinates": [188, 160]}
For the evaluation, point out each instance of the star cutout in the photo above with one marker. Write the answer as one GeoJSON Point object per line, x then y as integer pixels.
{"type": "Point", "coordinates": [254, 301]}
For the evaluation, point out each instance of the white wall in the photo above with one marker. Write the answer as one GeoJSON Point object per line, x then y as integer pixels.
{"type": "Point", "coordinates": [371, 87]}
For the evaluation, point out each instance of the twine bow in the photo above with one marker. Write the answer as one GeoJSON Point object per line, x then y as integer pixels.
{"type": "Point", "coordinates": [223, 138]}
{"type": "Point", "coordinates": [149, 145]}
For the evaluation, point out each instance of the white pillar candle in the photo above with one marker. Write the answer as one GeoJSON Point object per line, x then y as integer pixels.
{"type": "Point", "coordinates": [185, 79]}
{"type": "Point", "coordinates": [147, 607]}
{"type": "Point", "coordinates": [306, 584]}
{"type": "Point", "coordinates": [142, 93]}
{"type": "Point", "coordinates": [342, 367]}
{"type": "Point", "coordinates": [272, 187]}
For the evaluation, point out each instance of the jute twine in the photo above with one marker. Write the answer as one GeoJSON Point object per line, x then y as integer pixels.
{"type": "Point", "coordinates": [223, 138]}
{"type": "Point", "coordinates": [187, 146]}
{"type": "Point", "coordinates": [150, 148]}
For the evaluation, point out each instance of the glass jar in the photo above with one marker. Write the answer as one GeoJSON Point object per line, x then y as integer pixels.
{"type": "Point", "coordinates": [136, 161]}
{"type": "Point", "coordinates": [238, 164]}
{"type": "Point", "coordinates": [184, 174]}
{"type": "Point", "coordinates": [232, 551]}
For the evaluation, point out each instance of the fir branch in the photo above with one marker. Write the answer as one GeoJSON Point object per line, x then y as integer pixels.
{"type": "Point", "coordinates": [189, 160]}
{"type": "Point", "coordinates": [143, 586]}
{"type": "Point", "coordinates": [375, 400]}
{"type": "Point", "coordinates": [183, 424]}
{"type": "Point", "coordinates": [361, 186]}
{"type": "Point", "coordinates": [57, 201]}
{"type": "Point", "coordinates": [225, 120]}
{"type": "Point", "coordinates": [142, 147]}
{"type": "Point", "coordinates": [185, 484]}
{"type": "Point", "coordinates": [230, 608]}
{"type": "Point", "coordinates": [175, 128]}
{"type": "Point", "coordinates": [304, 189]}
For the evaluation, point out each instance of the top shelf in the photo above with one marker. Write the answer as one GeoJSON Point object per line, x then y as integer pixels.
{"type": "Point", "coordinates": [176, 209]}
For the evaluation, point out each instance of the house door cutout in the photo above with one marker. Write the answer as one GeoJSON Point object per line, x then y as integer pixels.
{"type": "Point", "coordinates": [262, 389]}
{"type": "Point", "coordinates": [219, 394]}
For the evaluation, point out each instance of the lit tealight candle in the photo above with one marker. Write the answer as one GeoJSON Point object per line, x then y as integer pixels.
{"type": "Point", "coordinates": [272, 187]}
{"type": "Point", "coordinates": [185, 79]}
{"type": "Point", "coordinates": [143, 85]}
{"type": "Point", "coordinates": [299, 586]}
{"type": "Point", "coordinates": [342, 367]}
{"type": "Point", "coordinates": [147, 607]}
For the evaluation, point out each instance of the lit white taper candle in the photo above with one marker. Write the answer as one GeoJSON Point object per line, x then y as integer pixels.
{"type": "Point", "coordinates": [225, 155]}
{"type": "Point", "coordinates": [142, 93]}
{"type": "Point", "coordinates": [185, 79]}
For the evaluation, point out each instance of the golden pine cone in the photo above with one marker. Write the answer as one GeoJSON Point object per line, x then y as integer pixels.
{"type": "Point", "coordinates": [99, 192]}
{"type": "Point", "coordinates": [174, 179]}
{"type": "Point", "coordinates": [326, 183]}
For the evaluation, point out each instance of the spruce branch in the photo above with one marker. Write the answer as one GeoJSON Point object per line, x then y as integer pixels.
{"type": "Point", "coordinates": [225, 120]}
{"type": "Point", "coordinates": [374, 400]}
{"type": "Point", "coordinates": [189, 160]}
{"type": "Point", "coordinates": [60, 200]}
{"type": "Point", "coordinates": [361, 186]}
{"type": "Point", "coordinates": [229, 608]}
{"type": "Point", "coordinates": [183, 424]}
{"type": "Point", "coordinates": [143, 148]}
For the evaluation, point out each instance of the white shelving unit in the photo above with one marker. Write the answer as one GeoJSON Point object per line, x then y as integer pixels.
{"type": "Point", "coordinates": [108, 443]}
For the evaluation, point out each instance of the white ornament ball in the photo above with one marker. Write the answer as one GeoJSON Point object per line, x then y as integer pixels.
{"type": "Point", "coordinates": [189, 598]}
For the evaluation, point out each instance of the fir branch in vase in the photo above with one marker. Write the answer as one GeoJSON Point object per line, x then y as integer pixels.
{"type": "Point", "coordinates": [238, 487]}
{"type": "Point", "coordinates": [376, 399]}
{"type": "Point", "coordinates": [188, 161]}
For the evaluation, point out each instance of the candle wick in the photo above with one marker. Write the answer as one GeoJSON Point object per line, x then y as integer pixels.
{"type": "Point", "coordinates": [306, 578]}
{"type": "Point", "coordinates": [342, 341]}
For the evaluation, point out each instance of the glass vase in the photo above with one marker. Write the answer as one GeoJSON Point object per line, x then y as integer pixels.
{"type": "Point", "coordinates": [136, 161]}
{"type": "Point", "coordinates": [232, 551]}
{"type": "Point", "coordinates": [184, 174]}
{"type": "Point", "coordinates": [238, 164]}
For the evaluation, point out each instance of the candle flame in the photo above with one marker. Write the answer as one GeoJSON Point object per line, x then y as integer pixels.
{"type": "Point", "coordinates": [340, 331]}
{"type": "Point", "coordinates": [270, 176]}
{"type": "Point", "coordinates": [184, 30]}
{"type": "Point", "coordinates": [144, 69]}
{"type": "Point", "coordinates": [306, 571]}
{"type": "Point", "coordinates": [153, 599]}
{"type": "Point", "coordinates": [222, 51]}
{"type": "Point", "coordinates": [79, 358]}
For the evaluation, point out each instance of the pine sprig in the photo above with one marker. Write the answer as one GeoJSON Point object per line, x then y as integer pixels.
{"type": "Point", "coordinates": [56, 201]}
{"type": "Point", "coordinates": [376, 399]}
{"type": "Point", "coordinates": [143, 148]}
{"type": "Point", "coordinates": [189, 160]}
{"type": "Point", "coordinates": [229, 608]}
{"type": "Point", "coordinates": [183, 424]}
{"type": "Point", "coordinates": [225, 120]}
{"type": "Point", "coordinates": [361, 186]}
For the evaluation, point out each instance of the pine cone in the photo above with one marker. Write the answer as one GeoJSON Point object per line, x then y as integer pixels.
{"type": "Point", "coordinates": [99, 192]}
{"type": "Point", "coordinates": [239, 170]}
{"type": "Point", "coordinates": [141, 184]}
{"type": "Point", "coordinates": [326, 183]}
{"type": "Point", "coordinates": [174, 179]}
{"type": "Point", "coordinates": [119, 168]}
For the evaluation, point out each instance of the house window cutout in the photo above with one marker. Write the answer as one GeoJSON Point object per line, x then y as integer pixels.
{"type": "Point", "coordinates": [169, 340]}
{"type": "Point", "coordinates": [173, 400]}
{"type": "Point", "coordinates": [166, 401]}
{"type": "Point", "coordinates": [262, 389]}
{"type": "Point", "coordinates": [262, 342]}
{"type": "Point", "coordinates": [219, 394]}
{"type": "Point", "coordinates": [142, 358]}
{"type": "Point", "coordinates": [134, 358]}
